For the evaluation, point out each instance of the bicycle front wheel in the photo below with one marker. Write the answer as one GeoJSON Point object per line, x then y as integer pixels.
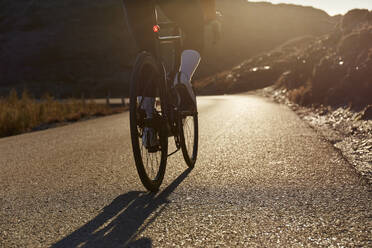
{"type": "Point", "coordinates": [189, 131]}
{"type": "Point", "coordinates": [146, 83]}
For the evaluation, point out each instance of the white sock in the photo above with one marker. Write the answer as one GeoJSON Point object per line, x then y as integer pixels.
{"type": "Point", "coordinates": [190, 60]}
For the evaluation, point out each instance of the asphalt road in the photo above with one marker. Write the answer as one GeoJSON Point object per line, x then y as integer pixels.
{"type": "Point", "coordinates": [263, 179]}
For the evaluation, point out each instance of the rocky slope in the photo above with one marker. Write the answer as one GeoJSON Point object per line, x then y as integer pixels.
{"type": "Point", "coordinates": [333, 69]}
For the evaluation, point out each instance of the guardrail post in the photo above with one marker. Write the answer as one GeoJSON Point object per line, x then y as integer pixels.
{"type": "Point", "coordinates": [83, 98]}
{"type": "Point", "coordinates": [108, 98]}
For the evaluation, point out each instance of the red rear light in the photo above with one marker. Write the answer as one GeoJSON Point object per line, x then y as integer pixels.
{"type": "Point", "coordinates": [156, 28]}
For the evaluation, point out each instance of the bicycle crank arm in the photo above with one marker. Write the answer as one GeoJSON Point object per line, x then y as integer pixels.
{"type": "Point", "coordinates": [174, 152]}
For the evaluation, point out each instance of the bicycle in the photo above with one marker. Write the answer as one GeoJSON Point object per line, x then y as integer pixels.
{"type": "Point", "coordinates": [152, 76]}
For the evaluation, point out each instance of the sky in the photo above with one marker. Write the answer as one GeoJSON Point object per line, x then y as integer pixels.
{"type": "Point", "coordinates": [332, 7]}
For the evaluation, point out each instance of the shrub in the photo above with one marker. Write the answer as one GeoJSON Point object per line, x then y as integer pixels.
{"type": "Point", "coordinates": [18, 115]}
{"type": "Point", "coordinates": [301, 95]}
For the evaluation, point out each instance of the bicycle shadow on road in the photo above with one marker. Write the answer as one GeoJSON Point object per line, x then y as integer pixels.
{"type": "Point", "coordinates": [123, 220]}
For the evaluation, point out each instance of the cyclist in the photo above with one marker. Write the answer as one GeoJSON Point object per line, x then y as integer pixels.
{"type": "Point", "coordinates": [191, 16]}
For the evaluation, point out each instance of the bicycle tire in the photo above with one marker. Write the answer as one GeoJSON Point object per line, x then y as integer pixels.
{"type": "Point", "coordinates": [145, 63]}
{"type": "Point", "coordinates": [186, 132]}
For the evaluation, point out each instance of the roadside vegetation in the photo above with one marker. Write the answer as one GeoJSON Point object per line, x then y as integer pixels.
{"type": "Point", "coordinates": [24, 114]}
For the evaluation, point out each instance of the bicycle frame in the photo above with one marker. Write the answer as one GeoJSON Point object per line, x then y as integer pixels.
{"type": "Point", "coordinates": [174, 38]}
{"type": "Point", "coordinates": [152, 77]}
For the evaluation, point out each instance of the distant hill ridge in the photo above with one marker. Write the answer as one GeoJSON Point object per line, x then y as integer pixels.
{"type": "Point", "coordinates": [72, 47]}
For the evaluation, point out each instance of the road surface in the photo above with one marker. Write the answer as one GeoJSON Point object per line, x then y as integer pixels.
{"type": "Point", "coordinates": [263, 179]}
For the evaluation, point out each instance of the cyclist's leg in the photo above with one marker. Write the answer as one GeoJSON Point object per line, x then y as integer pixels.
{"type": "Point", "coordinates": [189, 16]}
{"type": "Point", "coordinates": [140, 19]}
{"type": "Point", "coordinates": [192, 24]}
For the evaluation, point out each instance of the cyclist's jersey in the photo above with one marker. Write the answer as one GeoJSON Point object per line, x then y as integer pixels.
{"type": "Point", "coordinates": [190, 15]}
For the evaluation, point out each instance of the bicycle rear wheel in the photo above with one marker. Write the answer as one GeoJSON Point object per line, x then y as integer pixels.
{"type": "Point", "coordinates": [189, 131]}
{"type": "Point", "coordinates": [146, 82]}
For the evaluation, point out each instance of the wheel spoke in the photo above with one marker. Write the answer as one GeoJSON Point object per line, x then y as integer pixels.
{"type": "Point", "coordinates": [151, 161]}
{"type": "Point", "coordinates": [150, 165]}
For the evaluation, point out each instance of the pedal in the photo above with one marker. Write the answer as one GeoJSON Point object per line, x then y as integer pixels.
{"type": "Point", "coordinates": [154, 149]}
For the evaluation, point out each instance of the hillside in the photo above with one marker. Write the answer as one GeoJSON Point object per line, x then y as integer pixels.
{"type": "Point", "coordinates": [333, 69]}
{"type": "Point", "coordinates": [73, 47]}
{"type": "Point", "coordinates": [62, 46]}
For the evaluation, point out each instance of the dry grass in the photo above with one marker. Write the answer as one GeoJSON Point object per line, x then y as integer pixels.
{"type": "Point", "coordinates": [23, 114]}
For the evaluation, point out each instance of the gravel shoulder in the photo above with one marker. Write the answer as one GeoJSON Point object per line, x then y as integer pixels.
{"type": "Point", "coordinates": [342, 127]}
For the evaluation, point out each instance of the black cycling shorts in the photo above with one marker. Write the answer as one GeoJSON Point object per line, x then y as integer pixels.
{"type": "Point", "coordinates": [188, 15]}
